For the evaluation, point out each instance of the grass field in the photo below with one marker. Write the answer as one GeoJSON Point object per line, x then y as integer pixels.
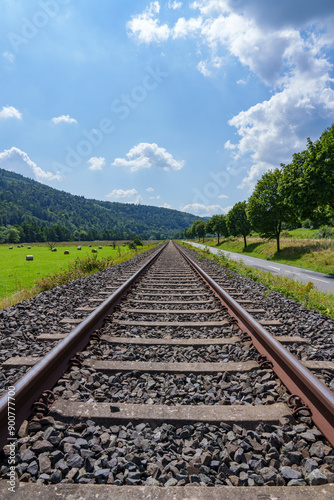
{"type": "Point", "coordinates": [17, 274]}
{"type": "Point", "coordinates": [304, 293]}
{"type": "Point", "coordinates": [315, 255]}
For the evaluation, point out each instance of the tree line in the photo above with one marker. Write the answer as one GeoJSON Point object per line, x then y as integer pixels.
{"type": "Point", "coordinates": [284, 198]}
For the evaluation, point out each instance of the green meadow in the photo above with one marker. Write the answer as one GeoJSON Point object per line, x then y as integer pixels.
{"type": "Point", "coordinates": [298, 248]}
{"type": "Point", "coordinates": [17, 274]}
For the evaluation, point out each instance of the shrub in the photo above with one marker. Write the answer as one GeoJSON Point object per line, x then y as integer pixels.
{"type": "Point", "coordinates": [324, 232]}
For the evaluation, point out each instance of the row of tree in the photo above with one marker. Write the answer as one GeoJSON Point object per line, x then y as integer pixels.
{"type": "Point", "coordinates": [303, 189]}
{"type": "Point", "coordinates": [29, 232]}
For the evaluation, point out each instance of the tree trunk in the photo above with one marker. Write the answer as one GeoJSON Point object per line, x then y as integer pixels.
{"type": "Point", "coordinates": [218, 239]}
{"type": "Point", "coordinates": [245, 241]}
{"type": "Point", "coordinates": [278, 235]}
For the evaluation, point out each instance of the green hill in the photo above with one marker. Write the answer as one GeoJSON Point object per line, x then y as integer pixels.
{"type": "Point", "coordinates": [43, 213]}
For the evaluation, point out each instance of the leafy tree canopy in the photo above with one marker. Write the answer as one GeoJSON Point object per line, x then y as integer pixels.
{"type": "Point", "coordinates": [267, 208]}
{"type": "Point", "coordinates": [308, 181]}
{"type": "Point", "coordinates": [238, 222]}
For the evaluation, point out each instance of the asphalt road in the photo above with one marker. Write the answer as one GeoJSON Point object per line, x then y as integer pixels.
{"type": "Point", "coordinates": [323, 282]}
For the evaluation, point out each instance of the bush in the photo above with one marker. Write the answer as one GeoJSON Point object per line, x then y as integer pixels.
{"type": "Point", "coordinates": [324, 232]}
{"type": "Point", "coordinates": [137, 242]}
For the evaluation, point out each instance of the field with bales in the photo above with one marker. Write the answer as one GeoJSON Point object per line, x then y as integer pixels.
{"type": "Point", "coordinates": [21, 278]}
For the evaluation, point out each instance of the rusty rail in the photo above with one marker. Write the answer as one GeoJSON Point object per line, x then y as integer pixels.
{"type": "Point", "coordinates": [47, 372]}
{"type": "Point", "coordinates": [312, 393]}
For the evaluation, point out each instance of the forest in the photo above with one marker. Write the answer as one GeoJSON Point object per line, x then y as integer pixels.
{"type": "Point", "coordinates": [33, 212]}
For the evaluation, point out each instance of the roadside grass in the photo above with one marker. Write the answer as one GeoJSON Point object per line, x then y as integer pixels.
{"type": "Point", "coordinates": [304, 293]}
{"type": "Point", "coordinates": [302, 232]}
{"type": "Point", "coordinates": [21, 279]}
{"type": "Point", "coordinates": [312, 254]}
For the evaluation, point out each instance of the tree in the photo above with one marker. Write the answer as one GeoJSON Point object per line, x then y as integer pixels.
{"type": "Point", "coordinates": [11, 235]}
{"type": "Point", "coordinates": [219, 225]}
{"type": "Point", "coordinates": [209, 227]}
{"type": "Point", "coordinates": [267, 208]}
{"type": "Point", "coordinates": [194, 232]}
{"type": "Point", "coordinates": [307, 183]}
{"type": "Point", "coordinates": [238, 222]}
{"type": "Point", "coordinates": [200, 230]}
{"type": "Point", "coordinates": [188, 233]}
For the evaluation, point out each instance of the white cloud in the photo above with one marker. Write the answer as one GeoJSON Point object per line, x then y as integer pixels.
{"type": "Point", "coordinates": [155, 197]}
{"type": "Point", "coordinates": [146, 28]}
{"type": "Point", "coordinates": [205, 210]}
{"type": "Point", "coordinates": [273, 130]}
{"type": "Point", "coordinates": [229, 145]}
{"type": "Point", "coordinates": [185, 27]}
{"type": "Point", "coordinates": [174, 5]}
{"type": "Point", "coordinates": [146, 155]}
{"type": "Point", "coordinates": [64, 119]}
{"type": "Point", "coordinates": [165, 205]}
{"type": "Point", "coordinates": [9, 56]}
{"type": "Point", "coordinates": [16, 160]}
{"type": "Point", "coordinates": [125, 195]}
{"type": "Point", "coordinates": [202, 67]}
{"type": "Point", "coordinates": [10, 112]}
{"type": "Point", "coordinates": [149, 190]}
{"type": "Point", "coordinates": [285, 45]}
{"type": "Point", "coordinates": [222, 196]}
{"type": "Point", "coordinates": [96, 163]}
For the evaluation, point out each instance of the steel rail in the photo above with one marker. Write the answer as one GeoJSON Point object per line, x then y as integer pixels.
{"type": "Point", "coordinates": [46, 373]}
{"type": "Point", "coordinates": [298, 379]}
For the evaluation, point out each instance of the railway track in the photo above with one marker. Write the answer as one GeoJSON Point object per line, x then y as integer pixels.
{"type": "Point", "coordinates": [177, 386]}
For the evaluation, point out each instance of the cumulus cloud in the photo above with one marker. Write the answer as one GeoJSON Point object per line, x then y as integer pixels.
{"type": "Point", "coordinates": [64, 119]}
{"type": "Point", "coordinates": [146, 28]}
{"type": "Point", "coordinates": [205, 210]}
{"type": "Point", "coordinates": [145, 155]}
{"type": "Point", "coordinates": [155, 197]}
{"type": "Point", "coordinates": [229, 145]}
{"type": "Point", "coordinates": [285, 46]}
{"type": "Point", "coordinates": [166, 205]}
{"type": "Point", "coordinates": [17, 161]}
{"type": "Point", "coordinates": [222, 196]}
{"type": "Point", "coordinates": [185, 27]}
{"type": "Point", "coordinates": [10, 112]}
{"type": "Point", "coordinates": [149, 190]}
{"type": "Point", "coordinates": [96, 163]}
{"type": "Point", "coordinates": [125, 195]}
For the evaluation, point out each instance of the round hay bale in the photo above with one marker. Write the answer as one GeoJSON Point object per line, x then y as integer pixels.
{"type": "Point", "coordinates": [89, 246]}
{"type": "Point", "coordinates": [53, 249]}
{"type": "Point", "coordinates": [100, 248]}
{"type": "Point", "coordinates": [78, 248]}
{"type": "Point", "coordinates": [94, 250]}
{"type": "Point", "coordinates": [10, 248]}
{"type": "Point", "coordinates": [29, 257]}
{"type": "Point", "coordinates": [28, 248]}
{"type": "Point", "coordinates": [66, 252]}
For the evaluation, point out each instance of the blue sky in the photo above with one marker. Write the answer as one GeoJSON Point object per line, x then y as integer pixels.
{"type": "Point", "coordinates": [168, 103]}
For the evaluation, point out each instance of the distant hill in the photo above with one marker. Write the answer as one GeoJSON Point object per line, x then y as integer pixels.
{"type": "Point", "coordinates": [39, 209]}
